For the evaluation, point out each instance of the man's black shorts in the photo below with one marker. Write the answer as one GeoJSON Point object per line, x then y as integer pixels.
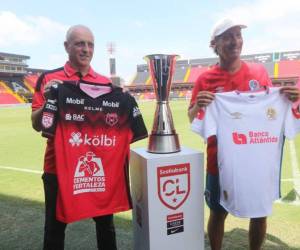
{"type": "Point", "coordinates": [212, 193]}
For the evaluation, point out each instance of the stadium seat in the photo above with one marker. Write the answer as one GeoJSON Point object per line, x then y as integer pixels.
{"type": "Point", "coordinates": [195, 72]}
{"type": "Point", "coordinates": [8, 96]}
{"type": "Point", "coordinates": [289, 69]}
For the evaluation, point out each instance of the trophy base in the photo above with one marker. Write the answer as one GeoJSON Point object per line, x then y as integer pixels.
{"type": "Point", "coordinates": [163, 144]}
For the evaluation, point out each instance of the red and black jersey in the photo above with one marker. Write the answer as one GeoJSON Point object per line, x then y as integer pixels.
{"type": "Point", "coordinates": [91, 140]}
{"type": "Point", "coordinates": [66, 73]}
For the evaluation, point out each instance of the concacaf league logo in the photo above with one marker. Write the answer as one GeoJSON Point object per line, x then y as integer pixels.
{"type": "Point", "coordinates": [173, 184]}
{"type": "Point", "coordinates": [111, 119]}
{"type": "Point", "coordinates": [47, 119]}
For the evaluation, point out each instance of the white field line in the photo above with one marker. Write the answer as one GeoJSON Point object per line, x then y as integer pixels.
{"type": "Point", "coordinates": [27, 170]}
{"type": "Point", "coordinates": [21, 170]}
{"type": "Point", "coordinates": [295, 169]}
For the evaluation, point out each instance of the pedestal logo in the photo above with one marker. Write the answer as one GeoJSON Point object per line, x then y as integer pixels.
{"type": "Point", "coordinates": [173, 184]}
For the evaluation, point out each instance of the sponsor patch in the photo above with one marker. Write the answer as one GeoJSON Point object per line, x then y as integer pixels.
{"type": "Point", "coordinates": [175, 223]}
{"type": "Point", "coordinates": [89, 176]}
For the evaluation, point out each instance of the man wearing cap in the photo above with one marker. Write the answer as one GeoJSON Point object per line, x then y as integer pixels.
{"type": "Point", "coordinates": [230, 73]}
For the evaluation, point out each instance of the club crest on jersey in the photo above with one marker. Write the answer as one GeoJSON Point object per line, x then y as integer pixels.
{"type": "Point", "coordinates": [111, 119]}
{"type": "Point", "coordinates": [254, 85]}
{"type": "Point", "coordinates": [173, 184]}
{"type": "Point", "coordinates": [271, 114]}
{"type": "Point", "coordinates": [47, 119]}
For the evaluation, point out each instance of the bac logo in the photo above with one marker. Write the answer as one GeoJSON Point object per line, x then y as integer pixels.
{"type": "Point", "coordinates": [239, 138]}
{"type": "Point", "coordinates": [173, 184]}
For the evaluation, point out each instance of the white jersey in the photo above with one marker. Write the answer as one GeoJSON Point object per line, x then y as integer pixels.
{"type": "Point", "coordinates": [250, 129]}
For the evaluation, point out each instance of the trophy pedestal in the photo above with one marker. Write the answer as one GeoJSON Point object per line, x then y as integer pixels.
{"type": "Point", "coordinates": [167, 194]}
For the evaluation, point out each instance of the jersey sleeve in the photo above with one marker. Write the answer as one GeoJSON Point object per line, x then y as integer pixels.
{"type": "Point", "coordinates": [38, 99]}
{"type": "Point", "coordinates": [50, 113]}
{"type": "Point", "coordinates": [291, 123]}
{"type": "Point", "coordinates": [137, 124]}
{"type": "Point", "coordinates": [195, 91]}
{"type": "Point", "coordinates": [206, 125]}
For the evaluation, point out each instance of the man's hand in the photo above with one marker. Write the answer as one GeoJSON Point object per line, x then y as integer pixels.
{"type": "Point", "coordinates": [48, 85]}
{"type": "Point", "coordinates": [204, 98]}
{"type": "Point", "coordinates": [291, 92]}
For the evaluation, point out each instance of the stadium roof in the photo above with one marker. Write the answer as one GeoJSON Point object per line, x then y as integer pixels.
{"type": "Point", "coordinates": [2, 54]}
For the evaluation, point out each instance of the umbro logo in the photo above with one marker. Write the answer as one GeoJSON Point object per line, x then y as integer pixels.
{"type": "Point", "coordinates": [236, 115]}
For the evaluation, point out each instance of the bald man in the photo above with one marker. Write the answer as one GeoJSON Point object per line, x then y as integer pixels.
{"type": "Point", "coordinates": [79, 46]}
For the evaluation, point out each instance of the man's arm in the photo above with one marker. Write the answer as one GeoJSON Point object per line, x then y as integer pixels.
{"type": "Point", "coordinates": [203, 99]}
{"type": "Point", "coordinates": [36, 115]}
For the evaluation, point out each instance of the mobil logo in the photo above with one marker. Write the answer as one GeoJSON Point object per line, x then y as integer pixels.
{"type": "Point", "coordinates": [77, 101]}
{"type": "Point", "coordinates": [110, 104]}
{"type": "Point", "coordinates": [173, 184]}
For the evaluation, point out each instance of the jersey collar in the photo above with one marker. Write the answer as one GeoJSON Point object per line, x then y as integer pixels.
{"type": "Point", "coordinates": [243, 65]}
{"type": "Point", "coordinates": [71, 71]}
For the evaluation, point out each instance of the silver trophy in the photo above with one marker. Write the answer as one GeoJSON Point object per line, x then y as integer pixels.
{"type": "Point", "coordinates": [163, 138]}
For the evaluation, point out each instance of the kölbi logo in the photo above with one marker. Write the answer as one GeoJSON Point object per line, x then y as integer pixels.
{"type": "Point", "coordinates": [95, 140]}
{"type": "Point", "coordinates": [173, 184]}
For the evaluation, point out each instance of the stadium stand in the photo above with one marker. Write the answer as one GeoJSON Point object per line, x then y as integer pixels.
{"type": "Point", "coordinates": [270, 67]}
{"type": "Point", "coordinates": [142, 78]}
{"type": "Point", "coordinates": [16, 79]}
{"type": "Point", "coordinates": [288, 69]}
{"type": "Point", "coordinates": [180, 71]}
{"type": "Point", "coordinates": [30, 81]}
{"type": "Point", "coordinates": [283, 68]}
{"type": "Point", "coordinates": [7, 96]}
{"type": "Point", "coordinates": [195, 71]}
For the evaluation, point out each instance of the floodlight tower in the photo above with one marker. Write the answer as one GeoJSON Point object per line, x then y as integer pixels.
{"type": "Point", "coordinates": [111, 49]}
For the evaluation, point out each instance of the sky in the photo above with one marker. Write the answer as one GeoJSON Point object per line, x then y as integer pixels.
{"type": "Point", "coordinates": [139, 28]}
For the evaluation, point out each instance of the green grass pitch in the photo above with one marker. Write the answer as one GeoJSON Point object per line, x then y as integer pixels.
{"type": "Point", "coordinates": [21, 193]}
